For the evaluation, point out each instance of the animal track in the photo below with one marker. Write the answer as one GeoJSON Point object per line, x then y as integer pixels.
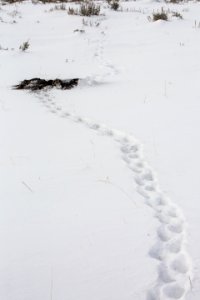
{"type": "Point", "coordinates": [164, 274]}
{"type": "Point", "coordinates": [174, 270]}
{"type": "Point", "coordinates": [175, 245]}
{"type": "Point", "coordinates": [164, 234]}
{"type": "Point", "coordinates": [174, 291]}
{"type": "Point", "coordinates": [180, 264]}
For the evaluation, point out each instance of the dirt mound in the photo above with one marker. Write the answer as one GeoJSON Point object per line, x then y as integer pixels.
{"type": "Point", "coordinates": [35, 84]}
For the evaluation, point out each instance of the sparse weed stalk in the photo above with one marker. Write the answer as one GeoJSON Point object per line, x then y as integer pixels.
{"type": "Point", "coordinates": [164, 15]}
{"type": "Point", "coordinates": [196, 24]}
{"type": "Point", "coordinates": [58, 7]}
{"type": "Point", "coordinates": [114, 4]}
{"type": "Point", "coordinates": [89, 9]}
{"type": "Point", "coordinates": [174, 1]}
{"type": "Point", "coordinates": [23, 47]}
{"type": "Point", "coordinates": [90, 23]}
{"type": "Point", "coordinates": [133, 10]}
{"type": "Point", "coordinates": [160, 15]}
{"type": "Point", "coordinates": [54, 1]}
{"type": "Point", "coordinates": [177, 15]}
{"type": "Point", "coordinates": [11, 1]}
{"type": "Point", "coordinates": [72, 11]}
{"type": "Point", "coordinates": [86, 9]}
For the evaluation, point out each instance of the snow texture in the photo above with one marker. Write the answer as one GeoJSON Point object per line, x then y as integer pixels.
{"type": "Point", "coordinates": [83, 214]}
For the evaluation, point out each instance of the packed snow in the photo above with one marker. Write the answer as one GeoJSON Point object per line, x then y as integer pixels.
{"type": "Point", "coordinates": [99, 184]}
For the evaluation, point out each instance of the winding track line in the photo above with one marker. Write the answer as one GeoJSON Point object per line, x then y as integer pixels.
{"type": "Point", "coordinates": [174, 270]}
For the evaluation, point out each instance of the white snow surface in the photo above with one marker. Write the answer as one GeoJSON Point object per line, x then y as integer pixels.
{"type": "Point", "coordinates": [99, 185]}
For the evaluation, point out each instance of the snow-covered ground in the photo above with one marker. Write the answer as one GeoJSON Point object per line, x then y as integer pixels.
{"type": "Point", "coordinates": [99, 184]}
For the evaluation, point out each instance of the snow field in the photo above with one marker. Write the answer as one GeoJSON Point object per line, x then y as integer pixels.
{"type": "Point", "coordinates": [135, 75]}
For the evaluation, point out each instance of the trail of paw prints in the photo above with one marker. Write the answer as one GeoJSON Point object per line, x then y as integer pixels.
{"type": "Point", "coordinates": [47, 102]}
{"type": "Point", "coordinates": [106, 67]}
{"type": "Point", "coordinates": [174, 269]}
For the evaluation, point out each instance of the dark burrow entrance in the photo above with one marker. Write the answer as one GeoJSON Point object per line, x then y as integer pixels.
{"type": "Point", "coordinates": [35, 84]}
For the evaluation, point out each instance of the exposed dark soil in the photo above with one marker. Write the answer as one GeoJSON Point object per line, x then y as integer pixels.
{"type": "Point", "coordinates": [35, 84]}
